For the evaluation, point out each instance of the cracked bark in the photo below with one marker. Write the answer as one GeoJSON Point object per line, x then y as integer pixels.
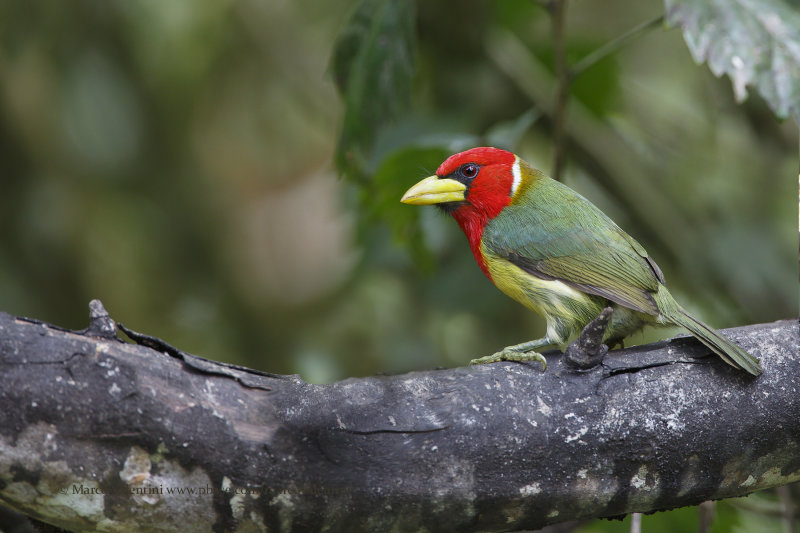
{"type": "Point", "coordinates": [97, 434]}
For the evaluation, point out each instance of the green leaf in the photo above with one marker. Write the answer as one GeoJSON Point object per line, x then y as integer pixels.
{"type": "Point", "coordinates": [754, 42]}
{"type": "Point", "coordinates": [372, 64]}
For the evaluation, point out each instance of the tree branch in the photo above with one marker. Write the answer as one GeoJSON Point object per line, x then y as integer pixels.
{"type": "Point", "coordinates": [97, 434]}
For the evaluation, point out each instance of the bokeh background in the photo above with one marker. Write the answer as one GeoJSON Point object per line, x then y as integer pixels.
{"type": "Point", "coordinates": [176, 160]}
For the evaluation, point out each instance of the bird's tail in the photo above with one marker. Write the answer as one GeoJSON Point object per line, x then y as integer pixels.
{"type": "Point", "coordinates": [729, 351]}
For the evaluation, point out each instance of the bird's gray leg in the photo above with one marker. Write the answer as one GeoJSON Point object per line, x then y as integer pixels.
{"type": "Point", "coordinates": [525, 351]}
{"type": "Point", "coordinates": [588, 350]}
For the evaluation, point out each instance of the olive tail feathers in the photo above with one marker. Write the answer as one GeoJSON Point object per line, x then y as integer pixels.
{"type": "Point", "coordinates": [729, 351]}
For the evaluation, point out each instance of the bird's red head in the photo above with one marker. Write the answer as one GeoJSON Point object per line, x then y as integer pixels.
{"type": "Point", "coordinates": [474, 187]}
{"type": "Point", "coordinates": [488, 176]}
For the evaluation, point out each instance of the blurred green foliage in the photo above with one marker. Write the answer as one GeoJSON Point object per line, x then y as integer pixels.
{"type": "Point", "coordinates": [372, 65]}
{"type": "Point", "coordinates": [175, 160]}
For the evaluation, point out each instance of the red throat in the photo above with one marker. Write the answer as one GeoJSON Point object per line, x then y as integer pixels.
{"type": "Point", "coordinates": [488, 194]}
{"type": "Point", "coordinates": [472, 223]}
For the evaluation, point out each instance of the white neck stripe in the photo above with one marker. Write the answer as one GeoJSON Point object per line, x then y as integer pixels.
{"type": "Point", "coordinates": [517, 177]}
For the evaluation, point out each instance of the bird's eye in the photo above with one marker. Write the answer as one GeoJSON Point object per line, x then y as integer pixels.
{"type": "Point", "coordinates": [469, 171]}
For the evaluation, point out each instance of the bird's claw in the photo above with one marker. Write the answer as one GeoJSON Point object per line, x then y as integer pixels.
{"type": "Point", "coordinates": [509, 354]}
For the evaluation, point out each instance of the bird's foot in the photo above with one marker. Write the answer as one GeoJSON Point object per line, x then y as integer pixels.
{"type": "Point", "coordinates": [510, 354]}
{"type": "Point", "coordinates": [588, 350]}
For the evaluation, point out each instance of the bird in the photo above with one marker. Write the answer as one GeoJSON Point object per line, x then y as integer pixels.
{"type": "Point", "coordinates": [556, 253]}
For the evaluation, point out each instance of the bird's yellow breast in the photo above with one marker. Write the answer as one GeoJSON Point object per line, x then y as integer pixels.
{"type": "Point", "coordinates": [549, 298]}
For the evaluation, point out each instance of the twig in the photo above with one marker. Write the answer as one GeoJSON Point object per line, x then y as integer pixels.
{"type": "Point", "coordinates": [612, 46]}
{"type": "Point", "coordinates": [636, 523]}
{"type": "Point", "coordinates": [787, 508]}
{"type": "Point", "coordinates": [706, 512]}
{"type": "Point", "coordinates": [565, 74]}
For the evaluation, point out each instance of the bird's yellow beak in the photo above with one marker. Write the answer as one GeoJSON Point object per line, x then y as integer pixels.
{"type": "Point", "coordinates": [434, 190]}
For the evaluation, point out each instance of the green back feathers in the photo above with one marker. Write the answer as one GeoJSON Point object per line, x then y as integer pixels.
{"type": "Point", "coordinates": [552, 232]}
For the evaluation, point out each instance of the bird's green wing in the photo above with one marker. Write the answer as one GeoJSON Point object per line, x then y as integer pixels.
{"type": "Point", "coordinates": [554, 233]}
